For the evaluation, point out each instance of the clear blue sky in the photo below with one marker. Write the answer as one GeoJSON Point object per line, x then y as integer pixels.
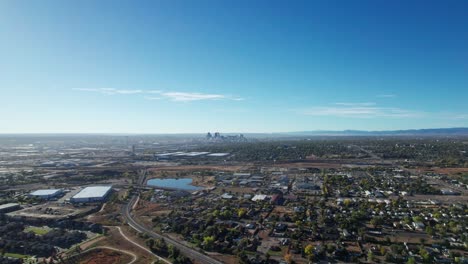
{"type": "Point", "coordinates": [232, 66]}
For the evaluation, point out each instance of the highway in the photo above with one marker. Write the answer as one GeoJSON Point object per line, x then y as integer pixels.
{"type": "Point", "coordinates": [190, 253]}
{"type": "Point", "coordinates": [133, 223]}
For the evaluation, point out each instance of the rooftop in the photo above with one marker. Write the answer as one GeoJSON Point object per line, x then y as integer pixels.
{"type": "Point", "coordinates": [259, 197]}
{"type": "Point", "coordinates": [8, 205]}
{"type": "Point", "coordinates": [93, 192]}
{"type": "Point", "coordinates": [45, 192]}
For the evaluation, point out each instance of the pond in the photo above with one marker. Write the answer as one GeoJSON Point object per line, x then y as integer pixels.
{"type": "Point", "coordinates": [182, 184]}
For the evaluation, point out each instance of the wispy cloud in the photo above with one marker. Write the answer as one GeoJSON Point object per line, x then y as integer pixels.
{"type": "Point", "coordinates": [109, 91]}
{"type": "Point", "coordinates": [360, 110]}
{"type": "Point", "coordinates": [356, 104]}
{"type": "Point", "coordinates": [386, 95]}
{"type": "Point", "coordinates": [461, 116]}
{"type": "Point", "coordinates": [172, 96]}
{"type": "Point", "coordinates": [152, 98]}
{"type": "Point", "coordinates": [187, 97]}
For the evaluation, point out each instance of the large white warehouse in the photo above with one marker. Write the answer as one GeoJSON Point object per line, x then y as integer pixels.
{"type": "Point", "coordinates": [47, 193]}
{"type": "Point", "coordinates": [92, 194]}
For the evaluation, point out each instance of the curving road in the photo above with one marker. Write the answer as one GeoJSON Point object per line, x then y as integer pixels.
{"type": "Point", "coordinates": [134, 257]}
{"type": "Point", "coordinates": [188, 252]}
{"type": "Point", "coordinates": [140, 246]}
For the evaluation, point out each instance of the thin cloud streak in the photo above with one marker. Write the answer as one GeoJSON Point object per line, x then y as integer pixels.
{"type": "Point", "coordinates": [361, 110]}
{"type": "Point", "coordinates": [108, 91]}
{"type": "Point", "coordinates": [172, 96]}
{"type": "Point", "coordinates": [386, 95]}
{"type": "Point", "coordinates": [356, 104]}
{"type": "Point", "coordinates": [152, 98]}
{"type": "Point", "coordinates": [462, 116]}
{"type": "Point", "coordinates": [187, 97]}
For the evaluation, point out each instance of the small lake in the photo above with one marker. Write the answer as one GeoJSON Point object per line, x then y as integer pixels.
{"type": "Point", "coordinates": [183, 184]}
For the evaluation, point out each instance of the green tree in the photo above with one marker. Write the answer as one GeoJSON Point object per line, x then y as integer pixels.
{"type": "Point", "coordinates": [370, 256]}
{"type": "Point", "coordinates": [208, 242]}
{"type": "Point", "coordinates": [241, 212]}
{"type": "Point", "coordinates": [173, 252]}
{"type": "Point", "coordinates": [424, 255]}
{"type": "Point", "coordinates": [309, 250]}
{"type": "Point", "coordinates": [429, 230]}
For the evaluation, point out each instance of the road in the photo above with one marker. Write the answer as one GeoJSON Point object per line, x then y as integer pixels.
{"type": "Point", "coordinates": [133, 223]}
{"type": "Point", "coordinates": [140, 246]}
{"type": "Point", "coordinates": [134, 257]}
{"type": "Point", "coordinates": [370, 153]}
{"type": "Point", "coordinates": [190, 253]}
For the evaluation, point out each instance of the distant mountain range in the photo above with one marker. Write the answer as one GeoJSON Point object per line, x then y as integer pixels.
{"type": "Point", "coordinates": [459, 131]}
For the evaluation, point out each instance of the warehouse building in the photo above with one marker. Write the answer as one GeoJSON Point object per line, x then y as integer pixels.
{"type": "Point", "coordinates": [92, 194]}
{"type": "Point", "coordinates": [47, 194]}
{"type": "Point", "coordinates": [9, 207]}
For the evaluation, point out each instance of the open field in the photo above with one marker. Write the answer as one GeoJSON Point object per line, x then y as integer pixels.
{"type": "Point", "coordinates": [114, 239]}
{"type": "Point", "coordinates": [232, 168]}
{"type": "Point", "coordinates": [52, 211]}
{"type": "Point", "coordinates": [37, 230]}
{"type": "Point", "coordinates": [104, 256]}
{"type": "Point", "coordinates": [448, 171]}
{"type": "Point", "coordinates": [15, 255]}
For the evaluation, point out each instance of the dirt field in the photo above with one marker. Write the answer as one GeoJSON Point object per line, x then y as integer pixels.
{"type": "Point", "coordinates": [448, 171]}
{"type": "Point", "coordinates": [88, 244]}
{"type": "Point", "coordinates": [115, 240]}
{"type": "Point", "coordinates": [309, 165]}
{"type": "Point", "coordinates": [227, 259]}
{"type": "Point", "coordinates": [232, 168]}
{"type": "Point", "coordinates": [108, 215]}
{"type": "Point", "coordinates": [105, 256]}
{"type": "Point", "coordinates": [445, 199]}
{"type": "Point", "coordinates": [145, 208]}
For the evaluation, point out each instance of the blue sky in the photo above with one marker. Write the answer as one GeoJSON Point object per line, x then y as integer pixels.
{"type": "Point", "coordinates": [232, 66]}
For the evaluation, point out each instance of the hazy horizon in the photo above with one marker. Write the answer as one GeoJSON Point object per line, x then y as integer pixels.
{"type": "Point", "coordinates": [312, 132]}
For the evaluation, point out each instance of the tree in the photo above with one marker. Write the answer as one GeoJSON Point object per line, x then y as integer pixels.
{"type": "Point", "coordinates": [208, 242]}
{"type": "Point", "coordinates": [422, 240]}
{"type": "Point", "coordinates": [347, 202]}
{"type": "Point", "coordinates": [377, 220]}
{"type": "Point", "coordinates": [243, 258]}
{"type": "Point", "coordinates": [411, 260]}
{"type": "Point", "coordinates": [173, 252]}
{"type": "Point", "coordinates": [330, 248]}
{"type": "Point", "coordinates": [382, 251]}
{"type": "Point", "coordinates": [150, 243]}
{"type": "Point", "coordinates": [429, 230]}
{"type": "Point", "coordinates": [407, 220]}
{"type": "Point", "coordinates": [309, 250]}
{"type": "Point", "coordinates": [370, 256]}
{"type": "Point", "coordinates": [424, 255]}
{"type": "Point", "coordinates": [388, 257]}
{"type": "Point", "coordinates": [241, 212]}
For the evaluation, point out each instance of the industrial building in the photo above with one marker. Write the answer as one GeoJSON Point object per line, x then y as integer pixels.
{"type": "Point", "coordinates": [9, 207]}
{"type": "Point", "coordinates": [47, 194]}
{"type": "Point", "coordinates": [92, 194]}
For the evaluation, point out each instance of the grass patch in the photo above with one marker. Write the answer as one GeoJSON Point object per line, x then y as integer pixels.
{"type": "Point", "coordinates": [37, 230]}
{"type": "Point", "coordinates": [15, 255]}
{"type": "Point", "coordinates": [275, 253]}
